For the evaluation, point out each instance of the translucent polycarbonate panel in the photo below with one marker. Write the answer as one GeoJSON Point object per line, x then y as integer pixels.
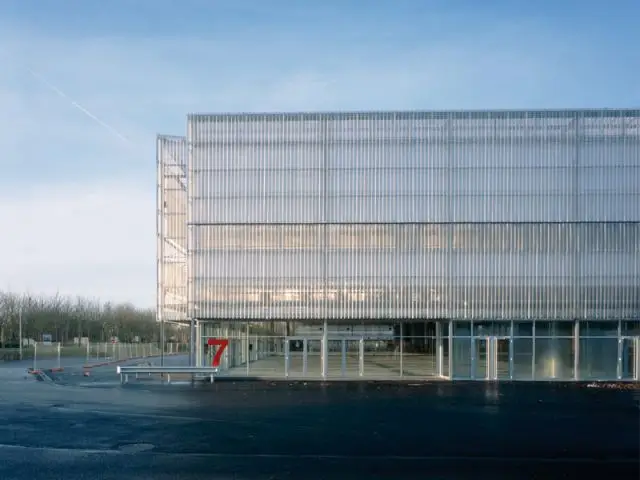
{"type": "Point", "coordinates": [260, 169]}
{"type": "Point", "coordinates": [480, 215]}
{"type": "Point", "coordinates": [172, 227]}
{"type": "Point", "coordinates": [470, 271]}
{"type": "Point", "coordinates": [415, 167]}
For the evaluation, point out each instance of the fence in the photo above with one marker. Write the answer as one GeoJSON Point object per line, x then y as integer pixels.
{"type": "Point", "coordinates": [58, 355]}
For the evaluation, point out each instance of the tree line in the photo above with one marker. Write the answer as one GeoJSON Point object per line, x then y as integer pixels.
{"type": "Point", "coordinates": [66, 318]}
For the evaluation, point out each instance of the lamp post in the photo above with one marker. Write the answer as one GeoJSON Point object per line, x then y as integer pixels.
{"type": "Point", "coordinates": [20, 328]}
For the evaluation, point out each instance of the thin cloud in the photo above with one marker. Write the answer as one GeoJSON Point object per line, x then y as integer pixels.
{"type": "Point", "coordinates": [75, 104]}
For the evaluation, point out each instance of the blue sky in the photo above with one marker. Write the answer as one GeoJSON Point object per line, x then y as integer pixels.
{"type": "Point", "coordinates": [77, 201]}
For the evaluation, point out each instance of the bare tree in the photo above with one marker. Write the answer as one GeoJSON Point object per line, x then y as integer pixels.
{"type": "Point", "coordinates": [65, 318]}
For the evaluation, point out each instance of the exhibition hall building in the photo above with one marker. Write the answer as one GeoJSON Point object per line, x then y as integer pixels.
{"type": "Point", "coordinates": [478, 245]}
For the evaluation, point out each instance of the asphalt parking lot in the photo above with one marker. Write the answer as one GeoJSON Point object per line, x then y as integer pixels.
{"type": "Point", "coordinates": [287, 430]}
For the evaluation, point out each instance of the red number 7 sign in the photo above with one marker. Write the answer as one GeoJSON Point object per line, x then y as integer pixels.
{"type": "Point", "coordinates": [221, 344]}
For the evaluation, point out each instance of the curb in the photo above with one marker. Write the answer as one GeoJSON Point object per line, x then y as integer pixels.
{"type": "Point", "coordinates": [39, 371]}
{"type": "Point", "coordinates": [41, 375]}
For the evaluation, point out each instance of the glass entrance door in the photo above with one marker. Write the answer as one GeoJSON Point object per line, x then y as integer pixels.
{"type": "Point", "coordinates": [296, 356]}
{"type": "Point", "coordinates": [503, 358]}
{"type": "Point", "coordinates": [480, 360]}
{"type": "Point", "coordinates": [344, 357]}
{"type": "Point", "coordinates": [303, 357]}
{"type": "Point", "coordinates": [491, 358]}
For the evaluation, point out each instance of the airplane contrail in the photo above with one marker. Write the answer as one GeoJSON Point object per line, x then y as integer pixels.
{"type": "Point", "coordinates": [75, 104]}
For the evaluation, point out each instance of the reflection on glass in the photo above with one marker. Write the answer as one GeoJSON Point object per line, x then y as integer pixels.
{"type": "Point", "coordinates": [554, 358]}
{"type": "Point", "coordinates": [598, 358]}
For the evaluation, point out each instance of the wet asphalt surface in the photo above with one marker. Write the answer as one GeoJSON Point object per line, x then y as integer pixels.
{"type": "Point", "coordinates": [92, 428]}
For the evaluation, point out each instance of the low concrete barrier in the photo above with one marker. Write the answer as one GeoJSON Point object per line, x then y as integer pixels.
{"type": "Point", "coordinates": [125, 371]}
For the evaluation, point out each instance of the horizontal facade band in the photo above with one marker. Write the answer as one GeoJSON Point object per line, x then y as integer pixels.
{"type": "Point", "coordinates": [384, 317]}
{"type": "Point", "coordinates": [408, 168]}
{"type": "Point", "coordinates": [311, 223]}
{"type": "Point", "coordinates": [596, 113]}
{"type": "Point", "coordinates": [505, 139]}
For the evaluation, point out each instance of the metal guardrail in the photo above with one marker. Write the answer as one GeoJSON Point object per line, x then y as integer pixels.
{"type": "Point", "coordinates": [125, 371]}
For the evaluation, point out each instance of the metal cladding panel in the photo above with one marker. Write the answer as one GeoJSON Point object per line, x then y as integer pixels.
{"type": "Point", "coordinates": [172, 227]}
{"type": "Point", "coordinates": [475, 271]}
{"type": "Point", "coordinates": [478, 167]}
{"type": "Point", "coordinates": [480, 215]}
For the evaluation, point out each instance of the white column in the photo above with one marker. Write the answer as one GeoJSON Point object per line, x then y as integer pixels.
{"type": "Point", "coordinates": [305, 356]}
{"type": "Point", "coordinates": [576, 349]}
{"type": "Point", "coordinates": [286, 357]}
{"type": "Point", "coordinates": [450, 358]}
{"type": "Point", "coordinates": [401, 352]}
{"type": "Point", "coordinates": [192, 343]}
{"type": "Point", "coordinates": [512, 327]}
{"type": "Point", "coordinates": [199, 345]}
{"type": "Point", "coordinates": [248, 355]}
{"type": "Point", "coordinates": [324, 349]}
{"type": "Point", "coordinates": [439, 352]}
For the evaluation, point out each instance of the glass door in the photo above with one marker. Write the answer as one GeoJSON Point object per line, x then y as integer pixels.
{"type": "Point", "coordinates": [630, 360]}
{"type": "Point", "coordinates": [296, 354]}
{"type": "Point", "coordinates": [481, 358]}
{"type": "Point", "coordinates": [351, 357]}
{"type": "Point", "coordinates": [491, 358]}
{"type": "Point", "coordinates": [502, 358]}
{"type": "Point", "coordinates": [313, 357]}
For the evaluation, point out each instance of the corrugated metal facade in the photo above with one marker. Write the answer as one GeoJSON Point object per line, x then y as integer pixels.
{"type": "Point", "coordinates": [407, 215]}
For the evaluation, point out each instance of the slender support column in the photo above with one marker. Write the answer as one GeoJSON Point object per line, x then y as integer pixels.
{"type": "Point", "coordinates": [162, 339]}
{"type": "Point", "coordinates": [248, 350]}
{"type": "Point", "coordinates": [636, 359]}
{"type": "Point", "coordinates": [439, 350]}
{"type": "Point", "coordinates": [192, 343]}
{"type": "Point", "coordinates": [450, 359]}
{"type": "Point", "coordinates": [228, 356]}
{"type": "Point", "coordinates": [361, 357]}
{"type": "Point", "coordinates": [511, 352]}
{"type": "Point", "coordinates": [472, 350]}
{"type": "Point", "coordinates": [199, 344]}
{"type": "Point", "coordinates": [305, 356]}
{"type": "Point", "coordinates": [576, 350]}
{"type": "Point", "coordinates": [401, 351]}
{"type": "Point", "coordinates": [287, 357]}
{"type": "Point", "coordinates": [325, 350]}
